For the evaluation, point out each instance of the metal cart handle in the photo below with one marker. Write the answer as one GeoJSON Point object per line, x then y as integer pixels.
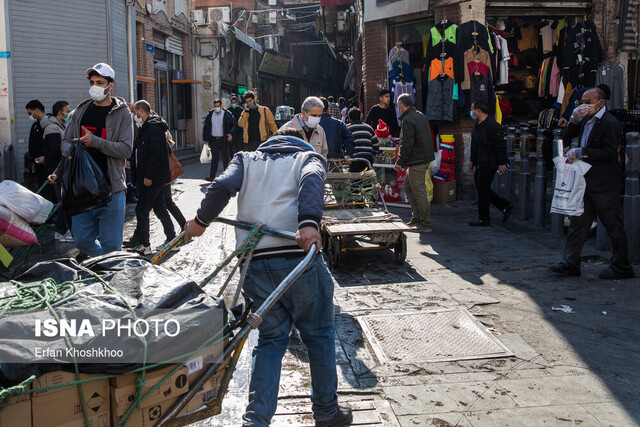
{"type": "Point", "coordinates": [266, 306]}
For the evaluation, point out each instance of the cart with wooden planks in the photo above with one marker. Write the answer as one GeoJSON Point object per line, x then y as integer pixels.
{"type": "Point", "coordinates": [352, 220]}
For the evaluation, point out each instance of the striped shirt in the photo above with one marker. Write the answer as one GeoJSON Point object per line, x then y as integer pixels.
{"type": "Point", "coordinates": [365, 140]}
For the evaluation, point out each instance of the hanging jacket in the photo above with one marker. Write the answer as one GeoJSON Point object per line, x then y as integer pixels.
{"type": "Point", "coordinates": [469, 57]}
{"type": "Point", "coordinates": [447, 31]}
{"type": "Point", "coordinates": [482, 90]}
{"type": "Point", "coordinates": [440, 99]}
{"type": "Point", "coordinates": [586, 46]}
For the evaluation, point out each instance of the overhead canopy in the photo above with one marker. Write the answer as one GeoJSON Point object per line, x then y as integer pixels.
{"type": "Point", "coordinates": [248, 40]}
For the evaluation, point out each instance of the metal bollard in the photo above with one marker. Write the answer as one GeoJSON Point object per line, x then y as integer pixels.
{"type": "Point", "coordinates": [496, 184]}
{"type": "Point", "coordinates": [557, 220]}
{"type": "Point", "coordinates": [524, 185]}
{"type": "Point", "coordinates": [9, 162]}
{"type": "Point", "coordinates": [510, 178]}
{"type": "Point", "coordinates": [632, 195]}
{"type": "Point", "coordinates": [540, 187]}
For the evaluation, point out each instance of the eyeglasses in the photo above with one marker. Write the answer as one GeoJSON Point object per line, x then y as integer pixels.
{"type": "Point", "coordinates": [588, 102]}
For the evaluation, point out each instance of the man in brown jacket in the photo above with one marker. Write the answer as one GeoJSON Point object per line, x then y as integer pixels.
{"type": "Point", "coordinates": [257, 121]}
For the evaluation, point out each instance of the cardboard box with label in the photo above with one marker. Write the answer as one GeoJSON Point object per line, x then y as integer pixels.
{"type": "Point", "coordinates": [63, 406]}
{"type": "Point", "coordinates": [123, 388]}
{"type": "Point", "coordinates": [444, 191]}
{"type": "Point", "coordinates": [149, 416]}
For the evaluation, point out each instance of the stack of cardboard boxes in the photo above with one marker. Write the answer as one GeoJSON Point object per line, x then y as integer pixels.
{"type": "Point", "coordinates": [107, 400]}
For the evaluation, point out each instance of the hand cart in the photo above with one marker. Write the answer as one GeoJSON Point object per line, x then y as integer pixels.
{"type": "Point", "coordinates": [352, 215]}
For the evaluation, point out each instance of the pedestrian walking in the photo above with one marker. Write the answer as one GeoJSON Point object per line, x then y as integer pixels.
{"type": "Point", "coordinates": [36, 112]}
{"type": "Point", "coordinates": [384, 111]}
{"type": "Point", "coordinates": [339, 137]}
{"type": "Point", "coordinates": [334, 109]}
{"type": "Point", "coordinates": [343, 109]}
{"type": "Point", "coordinates": [288, 176]}
{"type": "Point", "coordinates": [236, 140]}
{"type": "Point", "coordinates": [104, 126]}
{"type": "Point", "coordinates": [308, 123]}
{"type": "Point", "coordinates": [599, 136]}
{"type": "Point", "coordinates": [54, 126]}
{"type": "Point", "coordinates": [488, 155]}
{"type": "Point", "coordinates": [217, 133]}
{"type": "Point", "coordinates": [152, 173]}
{"type": "Point", "coordinates": [416, 152]}
{"type": "Point", "coordinates": [366, 143]}
{"type": "Point", "coordinates": [173, 209]}
{"type": "Point", "coordinates": [257, 121]}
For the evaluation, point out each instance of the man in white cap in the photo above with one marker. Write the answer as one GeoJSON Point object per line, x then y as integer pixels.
{"type": "Point", "coordinates": [104, 126]}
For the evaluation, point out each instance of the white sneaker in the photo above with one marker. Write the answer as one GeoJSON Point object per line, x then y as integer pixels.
{"type": "Point", "coordinates": [64, 238]}
{"type": "Point", "coordinates": [142, 250]}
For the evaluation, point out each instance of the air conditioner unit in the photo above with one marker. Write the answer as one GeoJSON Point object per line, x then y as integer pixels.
{"type": "Point", "coordinates": [219, 14]}
{"type": "Point", "coordinates": [199, 17]}
{"type": "Point", "coordinates": [272, 3]}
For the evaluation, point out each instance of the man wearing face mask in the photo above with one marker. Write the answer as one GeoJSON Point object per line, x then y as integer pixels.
{"type": "Point", "coordinates": [236, 134]}
{"type": "Point", "coordinates": [217, 132]}
{"type": "Point", "coordinates": [53, 126]}
{"type": "Point", "coordinates": [104, 126]}
{"type": "Point", "coordinates": [416, 152]}
{"type": "Point", "coordinates": [488, 155]}
{"type": "Point", "coordinates": [308, 123]}
{"type": "Point", "coordinates": [257, 121]}
{"type": "Point", "coordinates": [599, 135]}
{"type": "Point", "coordinates": [35, 109]}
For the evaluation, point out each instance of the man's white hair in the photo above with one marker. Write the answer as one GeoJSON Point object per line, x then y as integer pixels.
{"type": "Point", "coordinates": [310, 102]}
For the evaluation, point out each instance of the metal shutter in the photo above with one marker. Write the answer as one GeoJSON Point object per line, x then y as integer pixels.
{"type": "Point", "coordinates": [174, 45]}
{"type": "Point", "coordinates": [49, 59]}
{"type": "Point", "coordinates": [119, 47]}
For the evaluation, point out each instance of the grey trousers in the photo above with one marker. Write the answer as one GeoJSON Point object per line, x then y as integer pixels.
{"type": "Point", "coordinates": [416, 189]}
{"type": "Point", "coordinates": [606, 206]}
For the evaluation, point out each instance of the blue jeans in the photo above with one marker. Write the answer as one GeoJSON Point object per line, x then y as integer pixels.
{"type": "Point", "coordinates": [308, 305]}
{"type": "Point", "coordinates": [99, 231]}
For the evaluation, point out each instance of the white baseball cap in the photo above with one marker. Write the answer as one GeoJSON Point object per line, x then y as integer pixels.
{"type": "Point", "coordinates": [103, 69]}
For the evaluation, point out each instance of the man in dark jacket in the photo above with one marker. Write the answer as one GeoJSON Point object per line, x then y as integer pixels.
{"type": "Point", "coordinates": [35, 109]}
{"type": "Point", "coordinates": [53, 127]}
{"type": "Point", "coordinates": [151, 173]}
{"type": "Point", "coordinates": [416, 152]}
{"type": "Point", "coordinates": [217, 134]}
{"type": "Point", "coordinates": [339, 138]}
{"type": "Point", "coordinates": [384, 111]}
{"type": "Point", "coordinates": [599, 134]}
{"type": "Point", "coordinates": [488, 155]}
{"type": "Point", "coordinates": [236, 135]}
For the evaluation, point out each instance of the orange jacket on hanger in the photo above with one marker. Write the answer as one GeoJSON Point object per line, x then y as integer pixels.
{"type": "Point", "coordinates": [438, 67]}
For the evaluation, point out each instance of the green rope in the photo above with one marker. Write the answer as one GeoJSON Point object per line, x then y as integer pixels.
{"type": "Point", "coordinates": [250, 243]}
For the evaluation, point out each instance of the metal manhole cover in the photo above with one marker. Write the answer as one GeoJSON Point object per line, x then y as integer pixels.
{"type": "Point", "coordinates": [431, 336]}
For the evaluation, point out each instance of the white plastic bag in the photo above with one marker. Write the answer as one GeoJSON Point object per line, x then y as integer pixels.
{"type": "Point", "coordinates": [26, 204]}
{"type": "Point", "coordinates": [205, 155]}
{"type": "Point", "coordinates": [568, 194]}
{"type": "Point", "coordinates": [434, 166]}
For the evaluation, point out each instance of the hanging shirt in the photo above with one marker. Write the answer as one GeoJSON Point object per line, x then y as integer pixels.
{"type": "Point", "coordinates": [547, 38]}
{"type": "Point", "coordinates": [471, 55]}
{"type": "Point", "coordinates": [503, 64]}
{"type": "Point", "coordinates": [556, 75]}
{"type": "Point", "coordinates": [528, 39]}
{"type": "Point", "coordinates": [613, 76]}
{"type": "Point", "coordinates": [397, 54]}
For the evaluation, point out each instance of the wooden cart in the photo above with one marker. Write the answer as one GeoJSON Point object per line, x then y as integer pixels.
{"type": "Point", "coordinates": [352, 216]}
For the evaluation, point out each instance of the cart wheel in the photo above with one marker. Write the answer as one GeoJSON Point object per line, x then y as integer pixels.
{"type": "Point", "coordinates": [334, 252]}
{"type": "Point", "coordinates": [400, 249]}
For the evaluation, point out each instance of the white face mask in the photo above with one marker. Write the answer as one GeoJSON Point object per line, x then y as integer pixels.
{"type": "Point", "coordinates": [97, 93]}
{"type": "Point", "coordinates": [217, 109]}
{"type": "Point", "coordinates": [33, 119]}
{"type": "Point", "coordinates": [138, 121]}
{"type": "Point", "coordinates": [312, 122]}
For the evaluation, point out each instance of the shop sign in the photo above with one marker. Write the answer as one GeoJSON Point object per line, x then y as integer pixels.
{"type": "Point", "coordinates": [151, 49]}
{"type": "Point", "coordinates": [5, 54]}
{"type": "Point", "coordinates": [274, 64]}
{"type": "Point", "coordinates": [241, 90]}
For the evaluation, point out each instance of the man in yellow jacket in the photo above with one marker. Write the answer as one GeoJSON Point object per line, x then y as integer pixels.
{"type": "Point", "coordinates": [257, 121]}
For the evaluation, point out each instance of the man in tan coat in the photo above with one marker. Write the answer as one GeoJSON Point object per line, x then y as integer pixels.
{"type": "Point", "coordinates": [257, 121]}
{"type": "Point", "coordinates": [307, 122]}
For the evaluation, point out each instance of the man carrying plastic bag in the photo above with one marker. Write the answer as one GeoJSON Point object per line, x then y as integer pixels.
{"type": "Point", "coordinates": [104, 127]}
{"type": "Point", "coordinates": [598, 134]}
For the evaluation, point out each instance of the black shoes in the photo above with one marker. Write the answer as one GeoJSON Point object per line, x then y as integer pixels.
{"type": "Point", "coordinates": [564, 269]}
{"type": "Point", "coordinates": [611, 274]}
{"type": "Point", "coordinates": [344, 417]}
{"type": "Point", "coordinates": [506, 213]}
{"type": "Point", "coordinates": [480, 223]}
{"type": "Point", "coordinates": [208, 178]}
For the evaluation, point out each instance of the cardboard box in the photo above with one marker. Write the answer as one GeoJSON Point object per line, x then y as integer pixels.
{"type": "Point", "coordinates": [444, 191]}
{"type": "Point", "coordinates": [63, 406]}
{"type": "Point", "coordinates": [149, 415]}
{"type": "Point", "coordinates": [198, 363]}
{"type": "Point", "coordinates": [16, 414]}
{"type": "Point", "coordinates": [123, 396]}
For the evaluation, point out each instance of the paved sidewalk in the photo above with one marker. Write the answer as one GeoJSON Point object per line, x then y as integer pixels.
{"type": "Point", "coordinates": [580, 368]}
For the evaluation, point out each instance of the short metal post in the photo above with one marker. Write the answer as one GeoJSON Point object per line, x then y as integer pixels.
{"type": "Point", "coordinates": [9, 162]}
{"type": "Point", "coordinates": [524, 184]}
{"type": "Point", "coordinates": [540, 187]}
{"type": "Point", "coordinates": [510, 178]}
{"type": "Point", "coordinates": [632, 195]}
{"type": "Point", "coordinates": [557, 220]}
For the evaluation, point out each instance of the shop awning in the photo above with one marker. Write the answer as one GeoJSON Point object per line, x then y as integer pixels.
{"type": "Point", "coordinates": [248, 40]}
{"type": "Point", "coordinates": [195, 82]}
{"type": "Point", "coordinates": [145, 79]}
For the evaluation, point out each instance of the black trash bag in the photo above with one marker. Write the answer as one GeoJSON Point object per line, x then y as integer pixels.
{"type": "Point", "coordinates": [84, 186]}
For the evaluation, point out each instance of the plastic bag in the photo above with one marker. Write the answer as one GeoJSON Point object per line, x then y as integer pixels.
{"type": "Point", "coordinates": [434, 166]}
{"type": "Point", "coordinates": [23, 202]}
{"type": "Point", "coordinates": [568, 194]}
{"type": "Point", "coordinates": [205, 155]}
{"type": "Point", "coordinates": [14, 231]}
{"type": "Point", "coordinates": [429, 184]}
{"type": "Point", "coordinates": [84, 186]}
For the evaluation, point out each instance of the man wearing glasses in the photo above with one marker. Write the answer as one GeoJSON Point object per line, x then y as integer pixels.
{"type": "Point", "coordinates": [599, 134]}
